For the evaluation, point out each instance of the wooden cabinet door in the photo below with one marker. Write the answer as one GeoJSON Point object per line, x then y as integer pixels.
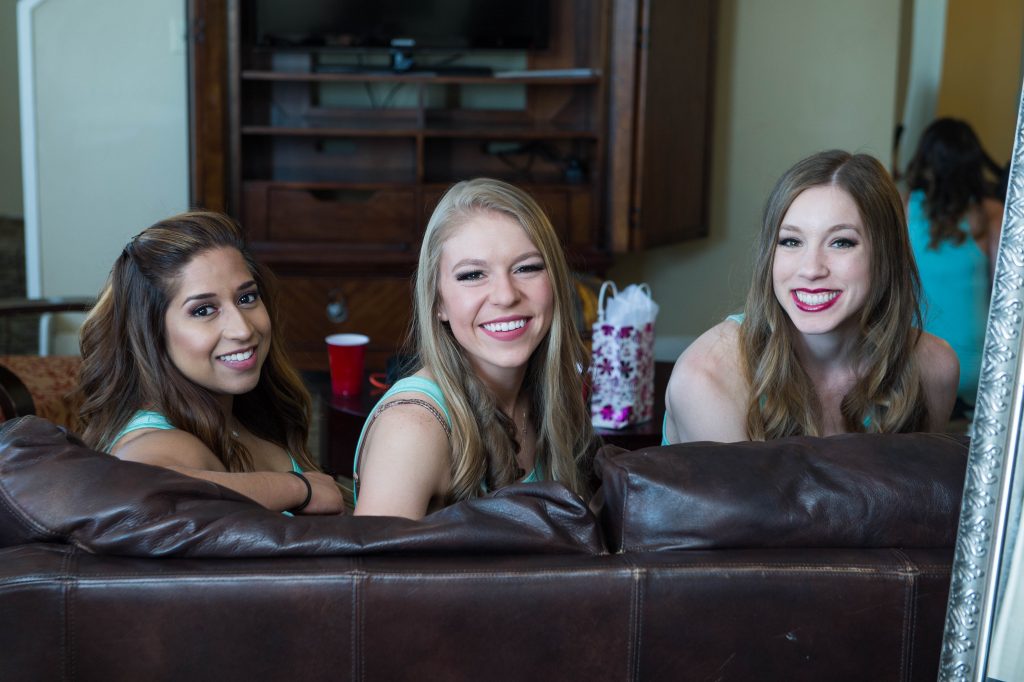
{"type": "Point", "coordinates": [660, 109]}
{"type": "Point", "coordinates": [378, 306]}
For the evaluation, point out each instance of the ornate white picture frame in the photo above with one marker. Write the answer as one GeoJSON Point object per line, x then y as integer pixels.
{"type": "Point", "coordinates": [987, 588]}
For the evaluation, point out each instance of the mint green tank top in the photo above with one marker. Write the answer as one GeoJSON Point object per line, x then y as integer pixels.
{"type": "Point", "coordinates": [149, 419]}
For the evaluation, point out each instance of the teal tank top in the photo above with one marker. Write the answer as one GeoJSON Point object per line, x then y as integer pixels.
{"type": "Point", "coordinates": [428, 388]}
{"type": "Point", "coordinates": [956, 290]}
{"type": "Point", "coordinates": [148, 419]}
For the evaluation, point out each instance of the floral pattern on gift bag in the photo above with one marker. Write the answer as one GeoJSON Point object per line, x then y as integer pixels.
{"type": "Point", "coordinates": [622, 370]}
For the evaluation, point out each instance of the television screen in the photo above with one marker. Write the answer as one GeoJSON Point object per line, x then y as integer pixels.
{"type": "Point", "coordinates": [432, 24]}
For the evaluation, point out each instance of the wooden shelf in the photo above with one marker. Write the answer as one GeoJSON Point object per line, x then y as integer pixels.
{"type": "Point", "coordinates": [387, 128]}
{"type": "Point", "coordinates": [419, 78]}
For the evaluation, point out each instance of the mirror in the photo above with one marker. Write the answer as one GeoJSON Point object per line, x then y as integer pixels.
{"type": "Point", "coordinates": [984, 634]}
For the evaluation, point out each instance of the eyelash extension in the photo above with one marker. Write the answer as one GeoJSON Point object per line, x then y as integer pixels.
{"type": "Point", "coordinates": [468, 276]}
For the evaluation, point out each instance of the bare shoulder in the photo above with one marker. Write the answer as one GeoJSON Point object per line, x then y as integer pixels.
{"type": "Point", "coordinates": [412, 412]}
{"type": "Point", "coordinates": [707, 392]}
{"type": "Point", "coordinates": [167, 448]}
{"type": "Point", "coordinates": [408, 415]}
{"type": "Point", "coordinates": [939, 364]}
{"type": "Point", "coordinates": [993, 211]}
{"type": "Point", "coordinates": [405, 460]}
{"type": "Point", "coordinates": [940, 376]}
{"type": "Point", "coordinates": [712, 360]}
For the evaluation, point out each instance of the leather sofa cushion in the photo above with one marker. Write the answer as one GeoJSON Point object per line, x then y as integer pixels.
{"type": "Point", "coordinates": [852, 490]}
{"type": "Point", "coordinates": [55, 489]}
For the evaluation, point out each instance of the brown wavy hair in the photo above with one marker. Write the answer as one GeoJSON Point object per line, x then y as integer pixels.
{"type": "Point", "coordinates": [483, 438]}
{"type": "Point", "coordinates": [888, 393]}
{"type": "Point", "coordinates": [126, 367]}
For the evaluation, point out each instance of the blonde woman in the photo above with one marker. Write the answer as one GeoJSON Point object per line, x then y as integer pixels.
{"type": "Point", "coordinates": [497, 396]}
{"type": "Point", "coordinates": [831, 340]}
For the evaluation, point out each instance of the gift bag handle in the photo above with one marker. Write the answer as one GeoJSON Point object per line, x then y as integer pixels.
{"type": "Point", "coordinates": [608, 284]}
{"type": "Point", "coordinates": [600, 297]}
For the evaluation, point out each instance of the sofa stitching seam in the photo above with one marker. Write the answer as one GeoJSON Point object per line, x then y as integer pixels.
{"type": "Point", "coordinates": [356, 629]}
{"type": "Point", "coordinates": [67, 643]}
{"type": "Point", "coordinates": [640, 573]}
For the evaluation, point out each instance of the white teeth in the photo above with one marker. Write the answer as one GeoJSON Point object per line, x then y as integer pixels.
{"type": "Point", "coordinates": [505, 326]}
{"type": "Point", "coordinates": [237, 357]}
{"type": "Point", "coordinates": [815, 299]}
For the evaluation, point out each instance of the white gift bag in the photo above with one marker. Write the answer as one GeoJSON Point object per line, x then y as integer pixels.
{"type": "Point", "coordinates": [622, 362]}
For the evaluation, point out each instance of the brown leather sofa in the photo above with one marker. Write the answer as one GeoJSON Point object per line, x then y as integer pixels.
{"type": "Point", "coordinates": [799, 559]}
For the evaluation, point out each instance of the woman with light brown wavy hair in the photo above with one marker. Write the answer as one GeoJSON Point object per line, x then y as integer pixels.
{"type": "Point", "coordinates": [497, 397]}
{"type": "Point", "coordinates": [830, 340]}
{"type": "Point", "coordinates": [183, 367]}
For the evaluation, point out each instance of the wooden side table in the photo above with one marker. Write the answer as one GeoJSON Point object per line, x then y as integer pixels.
{"type": "Point", "coordinates": [338, 420]}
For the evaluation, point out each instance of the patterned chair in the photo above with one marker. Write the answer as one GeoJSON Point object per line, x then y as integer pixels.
{"type": "Point", "coordinates": [39, 384]}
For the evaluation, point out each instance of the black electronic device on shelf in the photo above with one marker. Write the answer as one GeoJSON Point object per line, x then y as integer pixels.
{"type": "Point", "coordinates": [403, 24]}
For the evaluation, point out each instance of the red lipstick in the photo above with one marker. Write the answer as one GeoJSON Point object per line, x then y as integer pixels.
{"type": "Point", "coordinates": [818, 307]}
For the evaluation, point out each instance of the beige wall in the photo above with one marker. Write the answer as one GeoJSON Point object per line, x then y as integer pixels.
{"type": "Point", "coordinates": [111, 121]}
{"type": "Point", "coordinates": [981, 74]}
{"type": "Point", "coordinates": [10, 132]}
{"type": "Point", "coordinates": [793, 77]}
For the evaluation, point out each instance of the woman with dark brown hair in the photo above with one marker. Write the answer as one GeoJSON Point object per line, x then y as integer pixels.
{"type": "Point", "coordinates": [183, 367]}
{"type": "Point", "coordinates": [830, 340]}
{"type": "Point", "coordinates": [954, 216]}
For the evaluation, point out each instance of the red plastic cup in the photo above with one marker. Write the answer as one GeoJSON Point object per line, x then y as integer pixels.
{"type": "Point", "coordinates": [346, 354]}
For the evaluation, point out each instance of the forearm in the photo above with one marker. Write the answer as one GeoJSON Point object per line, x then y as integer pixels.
{"type": "Point", "coordinates": [274, 490]}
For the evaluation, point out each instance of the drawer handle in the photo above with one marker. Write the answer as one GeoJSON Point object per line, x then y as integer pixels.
{"type": "Point", "coordinates": [352, 196]}
{"type": "Point", "coordinates": [337, 310]}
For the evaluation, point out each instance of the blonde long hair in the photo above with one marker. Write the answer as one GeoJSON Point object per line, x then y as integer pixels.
{"type": "Point", "coordinates": [483, 438]}
{"type": "Point", "coordinates": [888, 394]}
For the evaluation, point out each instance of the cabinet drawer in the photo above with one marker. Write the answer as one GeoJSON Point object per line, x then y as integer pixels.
{"type": "Point", "coordinates": [356, 216]}
{"type": "Point", "coordinates": [379, 307]}
{"type": "Point", "coordinates": [568, 209]}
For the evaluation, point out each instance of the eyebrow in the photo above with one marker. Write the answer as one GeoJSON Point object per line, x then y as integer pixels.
{"type": "Point", "coordinates": [834, 228]}
{"type": "Point", "coordinates": [200, 297]}
{"type": "Point", "coordinates": [479, 262]}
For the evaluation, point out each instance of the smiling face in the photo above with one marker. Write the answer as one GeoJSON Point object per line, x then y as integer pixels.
{"type": "Point", "coordinates": [217, 328]}
{"type": "Point", "coordinates": [495, 293]}
{"type": "Point", "coordinates": [822, 268]}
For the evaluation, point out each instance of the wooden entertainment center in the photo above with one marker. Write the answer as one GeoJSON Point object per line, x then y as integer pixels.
{"type": "Point", "coordinates": [333, 162]}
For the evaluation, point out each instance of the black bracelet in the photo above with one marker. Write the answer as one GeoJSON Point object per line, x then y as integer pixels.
{"type": "Point", "coordinates": [309, 494]}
